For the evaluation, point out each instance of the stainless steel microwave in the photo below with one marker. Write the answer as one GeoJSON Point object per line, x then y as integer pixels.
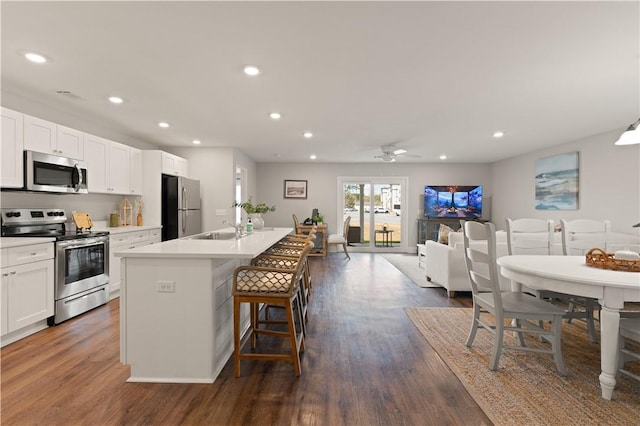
{"type": "Point", "coordinates": [50, 173]}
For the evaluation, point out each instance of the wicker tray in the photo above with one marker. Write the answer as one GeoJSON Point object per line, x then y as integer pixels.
{"type": "Point", "coordinates": [599, 259]}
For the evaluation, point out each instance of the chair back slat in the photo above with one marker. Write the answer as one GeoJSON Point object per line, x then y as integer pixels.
{"type": "Point", "coordinates": [529, 236]}
{"type": "Point", "coordinates": [581, 235]}
{"type": "Point", "coordinates": [480, 258]}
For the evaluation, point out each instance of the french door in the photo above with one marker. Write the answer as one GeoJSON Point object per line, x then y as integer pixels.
{"type": "Point", "coordinates": [375, 207]}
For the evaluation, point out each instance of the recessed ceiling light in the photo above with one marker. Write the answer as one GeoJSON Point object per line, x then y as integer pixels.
{"type": "Point", "coordinates": [35, 57]}
{"type": "Point", "coordinates": [196, 142]}
{"type": "Point", "coordinates": [313, 156]}
{"type": "Point", "coordinates": [443, 157]}
{"type": "Point", "coordinates": [251, 70]}
{"type": "Point", "coordinates": [163, 124]}
{"type": "Point", "coordinates": [307, 135]}
{"type": "Point", "coordinates": [275, 115]}
{"type": "Point", "coordinates": [115, 100]}
{"type": "Point", "coordinates": [498, 134]}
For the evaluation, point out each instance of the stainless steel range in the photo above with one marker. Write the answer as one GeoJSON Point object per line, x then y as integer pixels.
{"type": "Point", "coordinates": [81, 260]}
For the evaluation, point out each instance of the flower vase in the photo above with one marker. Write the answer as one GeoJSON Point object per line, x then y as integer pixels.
{"type": "Point", "coordinates": [257, 220]}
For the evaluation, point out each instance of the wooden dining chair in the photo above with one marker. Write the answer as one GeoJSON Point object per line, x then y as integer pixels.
{"type": "Point", "coordinates": [522, 309]}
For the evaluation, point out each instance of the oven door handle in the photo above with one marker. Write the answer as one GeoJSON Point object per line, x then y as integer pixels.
{"type": "Point", "coordinates": [81, 243]}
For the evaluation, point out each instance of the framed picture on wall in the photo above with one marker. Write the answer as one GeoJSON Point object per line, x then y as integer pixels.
{"type": "Point", "coordinates": [557, 180]}
{"type": "Point", "coordinates": [295, 189]}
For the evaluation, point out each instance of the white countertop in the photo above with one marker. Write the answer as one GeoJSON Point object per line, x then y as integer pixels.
{"type": "Point", "coordinates": [247, 247]}
{"type": "Point", "coordinates": [8, 242]}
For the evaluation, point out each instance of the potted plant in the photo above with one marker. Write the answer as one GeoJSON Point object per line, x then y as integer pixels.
{"type": "Point", "coordinates": [254, 211]}
{"type": "Point", "coordinates": [319, 218]}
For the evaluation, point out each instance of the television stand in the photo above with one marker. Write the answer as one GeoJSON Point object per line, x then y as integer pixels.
{"type": "Point", "coordinates": [429, 227]}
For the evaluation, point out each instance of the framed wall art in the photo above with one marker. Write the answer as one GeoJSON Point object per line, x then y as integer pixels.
{"type": "Point", "coordinates": [295, 189]}
{"type": "Point", "coordinates": [557, 182]}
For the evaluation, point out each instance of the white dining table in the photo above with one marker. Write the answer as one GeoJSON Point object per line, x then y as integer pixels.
{"type": "Point", "coordinates": [571, 275]}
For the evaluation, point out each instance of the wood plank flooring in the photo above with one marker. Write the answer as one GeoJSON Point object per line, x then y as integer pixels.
{"type": "Point", "coordinates": [364, 364]}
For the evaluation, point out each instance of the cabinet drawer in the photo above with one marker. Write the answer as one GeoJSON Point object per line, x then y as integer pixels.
{"type": "Point", "coordinates": [155, 236]}
{"type": "Point", "coordinates": [3, 257]}
{"type": "Point", "coordinates": [139, 237]}
{"type": "Point", "coordinates": [128, 238]}
{"type": "Point", "coordinates": [28, 254]}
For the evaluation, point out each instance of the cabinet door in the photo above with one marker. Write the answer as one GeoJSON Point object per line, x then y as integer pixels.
{"type": "Point", "coordinates": [40, 135]}
{"type": "Point", "coordinates": [70, 142]}
{"type": "Point", "coordinates": [119, 168]}
{"type": "Point", "coordinates": [4, 284]}
{"type": "Point", "coordinates": [135, 171]}
{"type": "Point", "coordinates": [29, 294]}
{"type": "Point", "coordinates": [181, 166]}
{"type": "Point", "coordinates": [173, 165]}
{"type": "Point", "coordinates": [96, 155]}
{"type": "Point", "coordinates": [12, 147]}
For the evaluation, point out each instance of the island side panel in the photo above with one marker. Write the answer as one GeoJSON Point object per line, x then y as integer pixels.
{"type": "Point", "coordinates": [169, 325]}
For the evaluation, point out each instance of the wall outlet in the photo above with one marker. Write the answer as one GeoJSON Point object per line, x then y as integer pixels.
{"type": "Point", "coordinates": [166, 286]}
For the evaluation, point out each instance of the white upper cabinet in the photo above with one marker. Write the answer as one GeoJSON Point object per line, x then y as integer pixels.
{"type": "Point", "coordinates": [107, 166]}
{"type": "Point", "coordinates": [119, 168]}
{"type": "Point", "coordinates": [44, 136]}
{"type": "Point", "coordinates": [135, 171]}
{"type": "Point", "coordinates": [70, 142]}
{"type": "Point", "coordinates": [173, 165]}
{"type": "Point", "coordinates": [96, 153]}
{"type": "Point", "coordinates": [12, 147]}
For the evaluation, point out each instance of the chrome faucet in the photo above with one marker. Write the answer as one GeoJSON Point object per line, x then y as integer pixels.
{"type": "Point", "coordinates": [239, 229]}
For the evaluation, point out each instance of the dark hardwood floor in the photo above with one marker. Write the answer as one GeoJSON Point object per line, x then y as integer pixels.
{"type": "Point", "coordinates": [364, 364]}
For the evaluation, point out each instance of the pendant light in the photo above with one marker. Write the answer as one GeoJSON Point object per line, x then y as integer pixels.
{"type": "Point", "coordinates": [631, 136]}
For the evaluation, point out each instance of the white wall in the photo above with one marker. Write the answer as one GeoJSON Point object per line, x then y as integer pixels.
{"type": "Point", "coordinates": [215, 169]}
{"type": "Point", "coordinates": [609, 184]}
{"type": "Point", "coordinates": [97, 205]}
{"type": "Point", "coordinates": [322, 182]}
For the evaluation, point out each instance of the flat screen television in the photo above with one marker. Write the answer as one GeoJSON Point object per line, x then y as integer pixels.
{"type": "Point", "coordinates": [453, 201]}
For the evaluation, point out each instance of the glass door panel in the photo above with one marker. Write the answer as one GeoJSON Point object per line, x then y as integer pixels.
{"type": "Point", "coordinates": [375, 210]}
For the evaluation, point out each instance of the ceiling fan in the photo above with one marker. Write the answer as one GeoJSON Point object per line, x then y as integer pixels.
{"type": "Point", "coordinates": [391, 152]}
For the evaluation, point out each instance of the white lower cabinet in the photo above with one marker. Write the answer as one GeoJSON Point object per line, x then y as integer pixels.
{"type": "Point", "coordinates": [27, 290]}
{"type": "Point", "coordinates": [123, 241]}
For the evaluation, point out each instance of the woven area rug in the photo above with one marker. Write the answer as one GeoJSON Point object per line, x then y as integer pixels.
{"type": "Point", "coordinates": [408, 265]}
{"type": "Point", "coordinates": [526, 390]}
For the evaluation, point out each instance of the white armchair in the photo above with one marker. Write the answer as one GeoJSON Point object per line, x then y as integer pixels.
{"type": "Point", "coordinates": [445, 263]}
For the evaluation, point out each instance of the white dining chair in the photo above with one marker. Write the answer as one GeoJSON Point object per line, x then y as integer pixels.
{"type": "Point", "coordinates": [535, 236]}
{"type": "Point", "coordinates": [578, 237]}
{"type": "Point", "coordinates": [581, 235]}
{"type": "Point", "coordinates": [524, 310]}
{"type": "Point", "coordinates": [341, 239]}
{"type": "Point", "coordinates": [629, 329]}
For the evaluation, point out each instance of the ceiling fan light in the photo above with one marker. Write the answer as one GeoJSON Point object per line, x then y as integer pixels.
{"type": "Point", "coordinates": [631, 136]}
{"type": "Point", "coordinates": [399, 151]}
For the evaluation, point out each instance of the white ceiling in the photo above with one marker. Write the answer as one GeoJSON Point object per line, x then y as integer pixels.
{"type": "Point", "coordinates": [432, 77]}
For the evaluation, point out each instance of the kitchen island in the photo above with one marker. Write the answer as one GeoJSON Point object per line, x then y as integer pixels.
{"type": "Point", "coordinates": [176, 308]}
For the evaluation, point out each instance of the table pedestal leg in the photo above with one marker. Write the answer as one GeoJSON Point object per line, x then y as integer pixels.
{"type": "Point", "coordinates": [609, 335]}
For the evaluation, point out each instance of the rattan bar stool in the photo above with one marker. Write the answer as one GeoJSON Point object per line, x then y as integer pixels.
{"type": "Point", "coordinates": [283, 249]}
{"type": "Point", "coordinates": [273, 286]}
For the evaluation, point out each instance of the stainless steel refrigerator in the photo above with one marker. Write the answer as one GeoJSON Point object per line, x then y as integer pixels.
{"type": "Point", "coordinates": [180, 207]}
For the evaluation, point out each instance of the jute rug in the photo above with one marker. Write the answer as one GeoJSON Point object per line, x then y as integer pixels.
{"type": "Point", "coordinates": [526, 389]}
{"type": "Point", "coordinates": [408, 265]}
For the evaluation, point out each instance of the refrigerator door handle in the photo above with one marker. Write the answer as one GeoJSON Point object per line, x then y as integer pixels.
{"type": "Point", "coordinates": [184, 198]}
{"type": "Point", "coordinates": [184, 222]}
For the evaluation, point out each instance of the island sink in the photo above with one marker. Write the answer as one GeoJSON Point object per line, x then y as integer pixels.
{"type": "Point", "coordinates": [215, 236]}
